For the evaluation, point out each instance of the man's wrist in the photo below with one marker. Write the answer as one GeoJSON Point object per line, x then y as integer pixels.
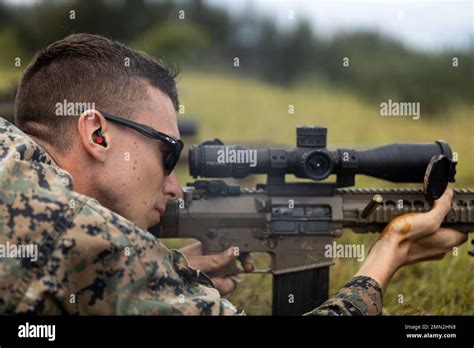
{"type": "Point", "coordinates": [382, 262]}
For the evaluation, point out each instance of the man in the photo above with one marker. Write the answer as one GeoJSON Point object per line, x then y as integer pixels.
{"type": "Point", "coordinates": [84, 186]}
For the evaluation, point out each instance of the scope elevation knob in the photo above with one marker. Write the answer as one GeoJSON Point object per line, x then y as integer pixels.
{"type": "Point", "coordinates": [311, 136]}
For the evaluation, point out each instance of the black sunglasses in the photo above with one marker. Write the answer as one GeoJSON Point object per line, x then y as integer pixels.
{"type": "Point", "coordinates": [173, 146]}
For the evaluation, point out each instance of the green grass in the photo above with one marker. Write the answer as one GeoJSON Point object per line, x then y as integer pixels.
{"type": "Point", "coordinates": [239, 110]}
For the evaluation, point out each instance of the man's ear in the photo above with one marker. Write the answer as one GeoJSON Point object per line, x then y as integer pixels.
{"type": "Point", "coordinates": [90, 125]}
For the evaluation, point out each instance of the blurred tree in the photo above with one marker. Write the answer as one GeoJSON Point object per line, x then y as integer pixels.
{"type": "Point", "coordinates": [297, 52]}
{"type": "Point", "coordinates": [11, 48]}
{"type": "Point", "coordinates": [179, 42]}
{"type": "Point", "coordinates": [215, 21]}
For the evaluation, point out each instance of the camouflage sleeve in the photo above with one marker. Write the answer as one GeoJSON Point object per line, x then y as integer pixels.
{"type": "Point", "coordinates": [105, 265]}
{"type": "Point", "coordinates": [360, 296]}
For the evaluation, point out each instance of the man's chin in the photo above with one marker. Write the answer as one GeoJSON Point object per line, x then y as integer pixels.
{"type": "Point", "coordinates": [153, 218]}
{"type": "Point", "coordinates": [156, 217]}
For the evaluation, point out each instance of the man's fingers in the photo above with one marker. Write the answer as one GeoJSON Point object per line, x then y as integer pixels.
{"type": "Point", "coordinates": [435, 245]}
{"type": "Point", "coordinates": [214, 262]}
{"type": "Point", "coordinates": [427, 258]}
{"type": "Point", "coordinates": [440, 209]}
{"type": "Point", "coordinates": [224, 285]}
{"type": "Point", "coordinates": [247, 263]}
{"type": "Point", "coordinates": [192, 249]}
{"type": "Point", "coordinates": [419, 225]}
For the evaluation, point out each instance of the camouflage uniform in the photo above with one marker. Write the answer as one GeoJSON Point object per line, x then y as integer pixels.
{"type": "Point", "coordinates": [93, 261]}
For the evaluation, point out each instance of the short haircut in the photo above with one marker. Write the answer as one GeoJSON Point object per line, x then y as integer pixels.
{"type": "Point", "coordinates": [85, 69]}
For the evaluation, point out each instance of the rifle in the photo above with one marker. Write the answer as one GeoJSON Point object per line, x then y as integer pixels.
{"type": "Point", "coordinates": [294, 222]}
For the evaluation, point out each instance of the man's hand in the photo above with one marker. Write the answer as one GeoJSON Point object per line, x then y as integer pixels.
{"type": "Point", "coordinates": [409, 239]}
{"type": "Point", "coordinates": [214, 263]}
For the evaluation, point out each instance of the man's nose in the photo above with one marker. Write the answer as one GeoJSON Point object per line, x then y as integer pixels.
{"type": "Point", "coordinates": [172, 187]}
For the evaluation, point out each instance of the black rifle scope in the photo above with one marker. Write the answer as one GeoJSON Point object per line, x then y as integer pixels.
{"type": "Point", "coordinates": [399, 162]}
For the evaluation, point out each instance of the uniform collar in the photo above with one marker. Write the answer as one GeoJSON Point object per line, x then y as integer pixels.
{"type": "Point", "coordinates": [21, 147]}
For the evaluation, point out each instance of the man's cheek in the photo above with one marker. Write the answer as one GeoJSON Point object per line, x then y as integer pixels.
{"type": "Point", "coordinates": [153, 183]}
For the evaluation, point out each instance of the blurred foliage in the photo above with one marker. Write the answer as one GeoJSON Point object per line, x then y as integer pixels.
{"type": "Point", "coordinates": [10, 68]}
{"type": "Point", "coordinates": [208, 38]}
{"type": "Point", "coordinates": [180, 42]}
{"type": "Point", "coordinates": [12, 47]}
